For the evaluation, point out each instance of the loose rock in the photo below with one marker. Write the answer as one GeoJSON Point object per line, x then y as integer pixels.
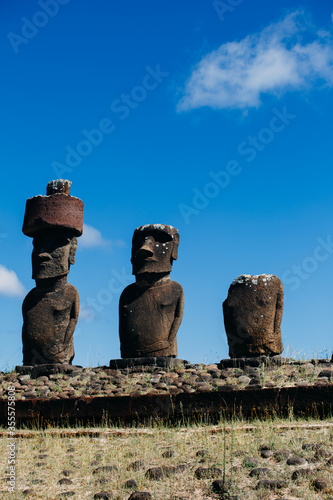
{"type": "Point", "coordinates": [320, 484]}
{"type": "Point", "coordinates": [323, 452]}
{"type": "Point", "coordinates": [266, 453]}
{"type": "Point", "coordinates": [65, 480]}
{"type": "Point", "coordinates": [155, 473]}
{"type": "Point", "coordinates": [296, 461]}
{"type": "Point", "coordinates": [300, 473]}
{"type": "Point", "coordinates": [259, 471]}
{"type": "Point", "coordinates": [130, 483]}
{"type": "Point", "coordinates": [221, 486]}
{"type": "Point", "coordinates": [207, 472]}
{"type": "Point", "coordinates": [271, 484]}
{"type": "Point", "coordinates": [140, 495]}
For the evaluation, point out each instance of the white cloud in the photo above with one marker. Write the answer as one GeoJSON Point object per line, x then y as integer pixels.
{"type": "Point", "coordinates": [93, 238]}
{"type": "Point", "coordinates": [272, 61]}
{"type": "Point", "coordinates": [10, 285]}
{"type": "Point", "coordinates": [86, 313]}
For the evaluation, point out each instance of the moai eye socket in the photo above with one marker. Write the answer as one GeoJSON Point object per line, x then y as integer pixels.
{"type": "Point", "coordinates": [49, 242]}
{"type": "Point", "coordinates": [161, 236]}
{"type": "Point", "coordinates": [157, 235]}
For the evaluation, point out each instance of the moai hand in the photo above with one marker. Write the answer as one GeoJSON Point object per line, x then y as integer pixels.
{"type": "Point", "coordinates": [151, 310]}
{"type": "Point", "coordinates": [51, 309]}
{"type": "Point", "coordinates": [253, 314]}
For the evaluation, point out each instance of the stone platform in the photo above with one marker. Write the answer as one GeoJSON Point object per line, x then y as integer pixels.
{"type": "Point", "coordinates": [268, 361]}
{"type": "Point", "coordinates": [57, 392]}
{"type": "Point", "coordinates": [161, 362]}
{"type": "Point", "coordinates": [47, 369]}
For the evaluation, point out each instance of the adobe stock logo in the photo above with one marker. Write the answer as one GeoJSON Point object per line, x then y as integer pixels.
{"type": "Point", "coordinates": [30, 27]}
{"type": "Point", "coordinates": [222, 7]}
{"type": "Point", "coordinates": [249, 149]}
{"type": "Point", "coordinates": [121, 108]}
{"type": "Point", "coordinates": [94, 305]}
{"type": "Point", "coordinates": [301, 272]}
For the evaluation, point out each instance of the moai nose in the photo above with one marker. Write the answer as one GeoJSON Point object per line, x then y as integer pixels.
{"type": "Point", "coordinates": [44, 255]}
{"type": "Point", "coordinates": [146, 249]}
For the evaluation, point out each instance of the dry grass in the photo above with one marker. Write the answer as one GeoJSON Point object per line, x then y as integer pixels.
{"type": "Point", "coordinates": [227, 446]}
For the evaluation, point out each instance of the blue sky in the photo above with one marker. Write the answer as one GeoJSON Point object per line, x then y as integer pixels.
{"type": "Point", "coordinates": [214, 117]}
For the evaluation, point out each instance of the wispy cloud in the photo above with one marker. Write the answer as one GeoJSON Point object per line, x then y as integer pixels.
{"type": "Point", "coordinates": [287, 55]}
{"type": "Point", "coordinates": [86, 313]}
{"type": "Point", "coordinates": [93, 238]}
{"type": "Point", "coordinates": [10, 285]}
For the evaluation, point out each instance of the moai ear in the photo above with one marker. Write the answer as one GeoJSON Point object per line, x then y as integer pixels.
{"type": "Point", "coordinates": [174, 253]}
{"type": "Point", "coordinates": [132, 254]}
{"type": "Point", "coordinates": [134, 245]}
{"type": "Point", "coordinates": [72, 250]}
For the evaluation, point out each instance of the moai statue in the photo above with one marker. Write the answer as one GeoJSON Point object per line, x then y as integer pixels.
{"type": "Point", "coordinates": [253, 314]}
{"type": "Point", "coordinates": [151, 310]}
{"type": "Point", "coordinates": [51, 309]}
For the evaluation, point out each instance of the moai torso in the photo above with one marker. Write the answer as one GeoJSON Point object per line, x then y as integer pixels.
{"type": "Point", "coordinates": [150, 318]}
{"type": "Point", "coordinates": [253, 314]}
{"type": "Point", "coordinates": [49, 320]}
{"type": "Point", "coordinates": [151, 310]}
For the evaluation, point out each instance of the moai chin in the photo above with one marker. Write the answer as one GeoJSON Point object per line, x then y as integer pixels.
{"type": "Point", "coordinates": [253, 314]}
{"type": "Point", "coordinates": [151, 310]}
{"type": "Point", "coordinates": [51, 309]}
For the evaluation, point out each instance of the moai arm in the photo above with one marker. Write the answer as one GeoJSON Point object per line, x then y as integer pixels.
{"type": "Point", "coordinates": [26, 348]}
{"type": "Point", "coordinates": [127, 349]}
{"type": "Point", "coordinates": [178, 316]}
{"type": "Point", "coordinates": [225, 311]}
{"type": "Point", "coordinates": [74, 316]}
{"type": "Point", "coordinates": [27, 354]}
{"type": "Point", "coordinates": [122, 331]}
{"type": "Point", "coordinates": [228, 327]}
{"type": "Point", "coordinates": [279, 309]}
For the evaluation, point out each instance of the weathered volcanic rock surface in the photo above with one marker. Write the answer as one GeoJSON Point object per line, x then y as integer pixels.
{"type": "Point", "coordinates": [252, 315]}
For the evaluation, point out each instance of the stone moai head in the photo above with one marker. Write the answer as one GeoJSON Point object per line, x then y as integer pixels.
{"type": "Point", "coordinates": [253, 314]}
{"type": "Point", "coordinates": [53, 253]}
{"type": "Point", "coordinates": [154, 248]}
{"type": "Point", "coordinates": [54, 221]}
